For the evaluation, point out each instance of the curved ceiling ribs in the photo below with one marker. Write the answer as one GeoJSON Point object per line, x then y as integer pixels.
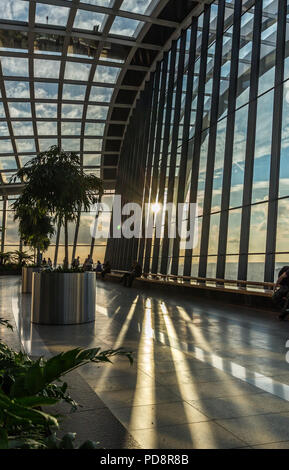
{"type": "Point", "coordinates": [160, 35]}
{"type": "Point", "coordinates": [116, 42]}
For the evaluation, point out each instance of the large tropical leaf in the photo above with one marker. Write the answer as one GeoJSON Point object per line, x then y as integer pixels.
{"type": "Point", "coordinates": [42, 372]}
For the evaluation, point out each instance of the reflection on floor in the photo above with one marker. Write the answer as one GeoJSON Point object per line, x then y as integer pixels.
{"type": "Point", "coordinates": [204, 375]}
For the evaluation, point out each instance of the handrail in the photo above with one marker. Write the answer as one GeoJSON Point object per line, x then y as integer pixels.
{"type": "Point", "coordinates": [174, 277]}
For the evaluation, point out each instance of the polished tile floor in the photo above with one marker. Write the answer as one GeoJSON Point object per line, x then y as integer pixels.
{"type": "Point", "coordinates": [205, 375]}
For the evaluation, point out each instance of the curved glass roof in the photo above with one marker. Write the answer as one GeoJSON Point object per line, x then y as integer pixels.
{"type": "Point", "coordinates": [70, 72]}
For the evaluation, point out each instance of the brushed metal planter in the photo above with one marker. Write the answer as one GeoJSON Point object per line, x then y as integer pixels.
{"type": "Point", "coordinates": [63, 298]}
{"type": "Point", "coordinates": [27, 272]}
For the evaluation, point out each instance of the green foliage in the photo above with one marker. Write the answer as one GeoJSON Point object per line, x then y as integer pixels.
{"type": "Point", "coordinates": [6, 323]}
{"type": "Point", "coordinates": [56, 182]}
{"type": "Point", "coordinates": [10, 268]}
{"type": "Point", "coordinates": [35, 226]}
{"type": "Point", "coordinates": [5, 257]}
{"type": "Point", "coordinates": [61, 269]}
{"type": "Point", "coordinates": [26, 385]}
{"type": "Point", "coordinates": [50, 442]}
{"type": "Point", "coordinates": [57, 185]}
{"type": "Point", "coordinates": [21, 257]}
{"type": "Point", "coordinates": [67, 442]}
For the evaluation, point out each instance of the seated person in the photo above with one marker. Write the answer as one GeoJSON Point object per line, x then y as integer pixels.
{"type": "Point", "coordinates": [128, 278]}
{"type": "Point", "coordinates": [106, 268]}
{"type": "Point", "coordinates": [281, 292]}
{"type": "Point", "coordinates": [98, 268]}
{"type": "Point", "coordinates": [88, 263]}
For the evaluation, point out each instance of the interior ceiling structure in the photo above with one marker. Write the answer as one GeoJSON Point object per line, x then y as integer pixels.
{"type": "Point", "coordinates": [71, 72]}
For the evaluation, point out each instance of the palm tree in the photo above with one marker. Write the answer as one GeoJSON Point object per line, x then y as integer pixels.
{"type": "Point", "coordinates": [21, 257]}
{"type": "Point", "coordinates": [5, 257]}
{"type": "Point", "coordinates": [57, 185]}
{"type": "Point", "coordinates": [35, 227]}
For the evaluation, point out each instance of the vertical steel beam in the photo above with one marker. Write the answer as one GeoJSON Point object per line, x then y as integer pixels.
{"type": "Point", "coordinates": [250, 145]}
{"type": "Point", "coordinates": [4, 214]}
{"type": "Point", "coordinates": [198, 126]}
{"type": "Point", "coordinates": [165, 150]}
{"type": "Point", "coordinates": [152, 161]}
{"type": "Point", "coordinates": [276, 144]}
{"type": "Point", "coordinates": [212, 141]}
{"type": "Point", "coordinates": [172, 180]}
{"type": "Point", "coordinates": [229, 142]}
{"type": "Point", "coordinates": [185, 136]}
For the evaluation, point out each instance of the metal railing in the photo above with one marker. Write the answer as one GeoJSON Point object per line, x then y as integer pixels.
{"type": "Point", "coordinates": [207, 282]}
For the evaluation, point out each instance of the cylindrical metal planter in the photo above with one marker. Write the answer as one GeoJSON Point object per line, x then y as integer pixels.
{"type": "Point", "coordinates": [27, 272]}
{"type": "Point", "coordinates": [63, 298]}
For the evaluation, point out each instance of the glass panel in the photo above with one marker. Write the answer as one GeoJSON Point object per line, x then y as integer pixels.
{"type": "Point", "coordinates": [258, 228]}
{"type": "Point", "coordinates": [234, 230]}
{"type": "Point", "coordinates": [89, 20]}
{"type": "Point", "coordinates": [231, 268]}
{"type": "Point", "coordinates": [46, 90]}
{"type": "Point", "coordinates": [100, 94]}
{"type": "Point", "coordinates": [25, 145]}
{"type": "Point", "coordinates": [46, 110]}
{"type": "Point", "coordinates": [71, 128]}
{"type": "Point", "coordinates": [16, 10]}
{"type": "Point", "coordinates": [73, 92]}
{"type": "Point", "coordinates": [256, 266]}
{"type": "Point", "coordinates": [106, 74]}
{"type": "Point", "coordinates": [245, 54]}
{"type": "Point", "coordinates": [76, 71]}
{"type": "Point", "coordinates": [71, 145]}
{"type": "Point", "coordinates": [268, 45]}
{"type": "Point", "coordinates": [22, 128]}
{"type": "Point", "coordinates": [46, 68]}
{"type": "Point", "coordinates": [202, 171]}
{"type": "Point", "coordinates": [4, 129]}
{"type": "Point", "coordinates": [225, 72]}
{"type": "Point", "coordinates": [125, 26]}
{"type": "Point", "coordinates": [8, 163]}
{"type": "Point", "coordinates": [73, 111]}
{"type": "Point", "coordinates": [13, 41]}
{"type": "Point", "coordinates": [51, 14]}
{"type": "Point", "coordinates": [14, 66]}
{"type": "Point", "coordinates": [284, 167]}
{"type": "Point", "coordinates": [11, 233]}
{"type": "Point", "coordinates": [101, 3]}
{"type": "Point", "coordinates": [211, 266]}
{"type": "Point", "coordinates": [51, 44]}
{"type": "Point", "coordinates": [17, 89]}
{"type": "Point", "coordinates": [20, 110]}
{"type": "Point", "coordinates": [282, 243]}
{"type": "Point", "coordinates": [2, 111]}
{"type": "Point", "coordinates": [96, 112]}
{"type": "Point", "coordinates": [45, 144]}
{"type": "Point", "coordinates": [219, 166]}
{"type": "Point", "coordinates": [6, 146]}
{"type": "Point", "coordinates": [93, 144]}
{"type": "Point", "coordinates": [239, 152]}
{"type": "Point", "coordinates": [91, 160]}
{"type": "Point", "coordinates": [263, 147]}
{"type": "Point", "coordinates": [94, 128]}
{"type": "Point", "coordinates": [214, 234]}
{"type": "Point", "coordinates": [47, 128]}
{"type": "Point", "coordinates": [136, 6]}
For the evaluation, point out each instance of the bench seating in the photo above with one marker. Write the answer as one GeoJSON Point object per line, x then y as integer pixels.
{"type": "Point", "coordinates": [245, 292]}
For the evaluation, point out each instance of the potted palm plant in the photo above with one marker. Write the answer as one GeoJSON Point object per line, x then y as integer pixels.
{"type": "Point", "coordinates": [35, 230]}
{"type": "Point", "coordinates": [57, 185]}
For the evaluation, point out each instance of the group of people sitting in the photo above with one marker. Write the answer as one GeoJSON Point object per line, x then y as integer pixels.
{"type": "Point", "coordinates": [47, 263]}
{"type": "Point", "coordinates": [105, 268]}
{"type": "Point", "coordinates": [88, 265]}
